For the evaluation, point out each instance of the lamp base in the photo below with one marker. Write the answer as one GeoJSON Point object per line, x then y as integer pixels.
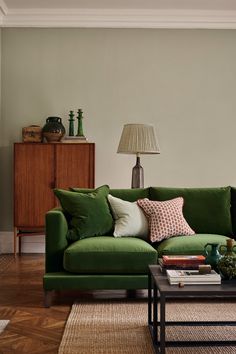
{"type": "Point", "coordinates": [137, 175]}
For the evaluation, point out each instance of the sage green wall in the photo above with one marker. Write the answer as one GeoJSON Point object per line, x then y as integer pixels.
{"type": "Point", "coordinates": [182, 81]}
{"type": "Point", "coordinates": [0, 86]}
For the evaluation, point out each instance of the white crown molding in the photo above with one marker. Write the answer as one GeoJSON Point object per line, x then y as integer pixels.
{"type": "Point", "coordinates": [119, 18]}
{"type": "Point", "coordinates": [3, 11]}
{"type": "Point", "coordinates": [3, 8]}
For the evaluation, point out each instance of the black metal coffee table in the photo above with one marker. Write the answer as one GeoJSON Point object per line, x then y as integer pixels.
{"type": "Point", "coordinates": [159, 290]}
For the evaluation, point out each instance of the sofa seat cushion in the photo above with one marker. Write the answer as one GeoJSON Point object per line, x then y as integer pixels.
{"type": "Point", "coordinates": [109, 255]}
{"type": "Point", "coordinates": [188, 245]}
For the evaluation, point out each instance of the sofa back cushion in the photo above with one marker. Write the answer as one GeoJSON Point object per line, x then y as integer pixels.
{"type": "Point", "coordinates": [233, 208]}
{"type": "Point", "coordinates": [130, 195]}
{"type": "Point", "coordinates": [207, 210]}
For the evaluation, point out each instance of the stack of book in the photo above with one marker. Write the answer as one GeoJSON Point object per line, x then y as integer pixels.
{"type": "Point", "coordinates": [192, 277]}
{"type": "Point", "coordinates": [181, 262]}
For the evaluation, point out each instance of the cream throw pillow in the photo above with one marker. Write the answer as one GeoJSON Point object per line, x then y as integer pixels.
{"type": "Point", "coordinates": [130, 220]}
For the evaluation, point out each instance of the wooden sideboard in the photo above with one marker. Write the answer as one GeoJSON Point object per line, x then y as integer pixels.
{"type": "Point", "coordinates": [38, 169]}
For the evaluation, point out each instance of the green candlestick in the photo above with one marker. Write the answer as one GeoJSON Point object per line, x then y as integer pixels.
{"type": "Point", "coordinates": [71, 124]}
{"type": "Point", "coordinates": [80, 123]}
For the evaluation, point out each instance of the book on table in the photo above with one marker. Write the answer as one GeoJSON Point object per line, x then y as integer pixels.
{"type": "Point", "coordinates": [181, 262]}
{"type": "Point", "coordinates": [183, 259]}
{"type": "Point", "coordinates": [192, 277]}
{"type": "Point", "coordinates": [164, 267]}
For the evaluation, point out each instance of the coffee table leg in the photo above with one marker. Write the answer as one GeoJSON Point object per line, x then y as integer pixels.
{"type": "Point", "coordinates": [162, 324]}
{"type": "Point", "coordinates": [155, 305]}
{"type": "Point", "coordinates": [149, 299]}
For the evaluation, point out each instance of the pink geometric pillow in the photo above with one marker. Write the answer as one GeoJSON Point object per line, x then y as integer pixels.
{"type": "Point", "coordinates": [165, 218]}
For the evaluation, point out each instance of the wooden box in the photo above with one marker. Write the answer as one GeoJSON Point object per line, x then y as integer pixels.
{"type": "Point", "coordinates": [32, 134]}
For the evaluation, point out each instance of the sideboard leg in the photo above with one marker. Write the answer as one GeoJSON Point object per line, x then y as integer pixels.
{"type": "Point", "coordinates": [131, 293]}
{"type": "Point", "coordinates": [14, 241]}
{"type": "Point", "coordinates": [47, 298]}
{"type": "Point", "coordinates": [19, 237]}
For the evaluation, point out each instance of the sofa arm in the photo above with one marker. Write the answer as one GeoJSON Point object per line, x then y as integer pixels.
{"type": "Point", "coordinates": [56, 241]}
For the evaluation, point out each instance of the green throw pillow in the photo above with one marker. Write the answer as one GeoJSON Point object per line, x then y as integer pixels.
{"type": "Point", "coordinates": [90, 213]}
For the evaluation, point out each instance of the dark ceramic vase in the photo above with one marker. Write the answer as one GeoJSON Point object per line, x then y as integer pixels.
{"type": "Point", "coordinates": [53, 130]}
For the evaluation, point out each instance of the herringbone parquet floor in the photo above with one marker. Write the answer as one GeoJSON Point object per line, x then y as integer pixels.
{"type": "Point", "coordinates": [33, 328]}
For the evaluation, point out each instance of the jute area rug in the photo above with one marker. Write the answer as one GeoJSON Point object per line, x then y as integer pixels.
{"type": "Point", "coordinates": [121, 327]}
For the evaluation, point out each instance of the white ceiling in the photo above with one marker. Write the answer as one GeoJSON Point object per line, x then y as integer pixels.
{"type": "Point", "coordinates": [119, 13]}
{"type": "Point", "coordinates": [122, 4]}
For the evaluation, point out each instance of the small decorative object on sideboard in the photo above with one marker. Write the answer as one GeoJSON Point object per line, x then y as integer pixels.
{"type": "Point", "coordinates": [71, 123]}
{"type": "Point", "coordinates": [32, 134]}
{"type": "Point", "coordinates": [79, 138]}
{"type": "Point", "coordinates": [53, 130]}
{"type": "Point", "coordinates": [80, 132]}
{"type": "Point", "coordinates": [227, 264]}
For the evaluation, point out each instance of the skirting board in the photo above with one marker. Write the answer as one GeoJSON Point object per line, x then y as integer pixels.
{"type": "Point", "coordinates": [30, 244]}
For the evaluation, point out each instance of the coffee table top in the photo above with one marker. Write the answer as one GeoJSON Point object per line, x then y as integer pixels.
{"type": "Point", "coordinates": [226, 288]}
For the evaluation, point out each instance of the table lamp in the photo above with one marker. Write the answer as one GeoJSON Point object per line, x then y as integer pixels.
{"type": "Point", "coordinates": [138, 139]}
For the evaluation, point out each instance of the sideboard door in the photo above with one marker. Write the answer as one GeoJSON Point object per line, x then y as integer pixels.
{"type": "Point", "coordinates": [74, 165]}
{"type": "Point", "coordinates": [33, 180]}
{"type": "Point", "coordinates": [38, 169]}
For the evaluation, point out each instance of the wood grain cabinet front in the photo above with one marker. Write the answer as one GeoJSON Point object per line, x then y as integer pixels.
{"type": "Point", "coordinates": [38, 168]}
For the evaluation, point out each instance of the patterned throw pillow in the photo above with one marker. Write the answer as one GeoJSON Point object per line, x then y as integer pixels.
{"type": "Point", "coordinates": [165, 218]}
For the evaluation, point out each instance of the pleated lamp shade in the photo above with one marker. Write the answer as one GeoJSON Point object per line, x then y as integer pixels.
{"type": "Point", "coordinates": [138, 139]}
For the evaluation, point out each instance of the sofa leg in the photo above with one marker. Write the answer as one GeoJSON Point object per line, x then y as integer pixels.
{"type": "Point", "coordinates": [132, 293]}
{"type": "Point", "coordinates": [47, 298]}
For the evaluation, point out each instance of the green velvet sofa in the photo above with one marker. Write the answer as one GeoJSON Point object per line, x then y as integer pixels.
{"type": "Point", "coordinates": [108, 262]}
